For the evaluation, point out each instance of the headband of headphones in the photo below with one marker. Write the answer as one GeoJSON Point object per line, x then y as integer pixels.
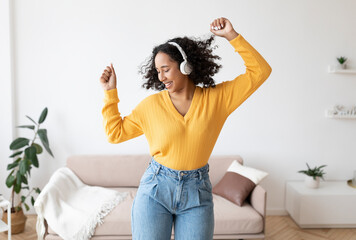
{"type": "Point", "coordinates": [180, 50]}
{"type": "Point", "coordinates": [184, 67]}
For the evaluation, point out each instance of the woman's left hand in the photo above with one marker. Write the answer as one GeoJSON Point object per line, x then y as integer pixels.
{"type": "Point", "coordinates": [222, 27]}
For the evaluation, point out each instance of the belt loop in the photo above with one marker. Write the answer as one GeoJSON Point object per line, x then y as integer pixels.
{"type": "Point", "coordinates": [199, 175]}
{"type": "Point", "coordinates": [159, 167]}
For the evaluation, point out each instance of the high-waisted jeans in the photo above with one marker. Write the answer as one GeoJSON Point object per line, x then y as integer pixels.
{"type": "Point", "coordinates": [167, 197]}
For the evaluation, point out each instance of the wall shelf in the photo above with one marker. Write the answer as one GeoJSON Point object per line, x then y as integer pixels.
{"type": "Point", "coordinates": [341, 112]}
{"type": "Point", "coordinates": [331, 114]}
{"type": "Point", "coordinates": [334, 69]}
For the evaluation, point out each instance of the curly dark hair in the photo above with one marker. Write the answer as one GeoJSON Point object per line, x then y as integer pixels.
{"type": "Point", "coordinates": [199, 55]}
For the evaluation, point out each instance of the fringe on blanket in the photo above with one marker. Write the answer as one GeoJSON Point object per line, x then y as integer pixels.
{"type": "Point", "coordinates": [89, 228]}
{"type": "Point", "coordinates": [40, 227]}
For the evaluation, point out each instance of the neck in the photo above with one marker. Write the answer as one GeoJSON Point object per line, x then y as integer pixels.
{"type": "Point", "coordinates": [185, 94]}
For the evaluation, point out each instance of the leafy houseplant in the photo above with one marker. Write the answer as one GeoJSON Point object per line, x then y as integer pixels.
{"type": "Point", "coordinates": [342, 61]}
{"type": "Point", "coordinates": [313, 175]}
{"type": "Point", "coordinates": [23, 159]}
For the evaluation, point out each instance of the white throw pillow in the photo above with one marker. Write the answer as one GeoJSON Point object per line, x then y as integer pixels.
{"type": "Point", "coordinates": [253, 174]}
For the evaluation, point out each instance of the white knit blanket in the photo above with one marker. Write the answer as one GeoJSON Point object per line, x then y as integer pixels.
{"type": "Point", "coordinates": [71, 208]}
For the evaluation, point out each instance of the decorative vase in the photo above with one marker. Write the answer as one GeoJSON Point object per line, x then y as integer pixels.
{"type": "Point", "coordinates": [311, 183]}
{"type": "Point", "coordinates": [18, 221]}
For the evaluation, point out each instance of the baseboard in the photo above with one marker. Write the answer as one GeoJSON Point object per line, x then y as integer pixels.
{"type": "Point", "coordinates": [276, 212]}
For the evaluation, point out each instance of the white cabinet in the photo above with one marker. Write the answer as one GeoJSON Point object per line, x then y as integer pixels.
{"type": "Point", "coordinates": [3, 226]}
{"type": "Point", "coordinates": [332, 205]}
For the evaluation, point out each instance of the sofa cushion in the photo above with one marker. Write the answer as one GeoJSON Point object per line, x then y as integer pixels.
{"type": "Point", "coordinates": [238, 182]}
{"type": "Point", "coordinates": [233, 219]}
{"type": "Point", "coordinates": [229, 218]}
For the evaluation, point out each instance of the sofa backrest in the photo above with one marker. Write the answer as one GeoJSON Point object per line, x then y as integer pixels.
{"type": "Point", "coordinates": [127, 170]}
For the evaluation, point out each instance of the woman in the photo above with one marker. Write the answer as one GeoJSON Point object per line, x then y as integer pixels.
{"type": "Point", "coordinates": [181, 123]}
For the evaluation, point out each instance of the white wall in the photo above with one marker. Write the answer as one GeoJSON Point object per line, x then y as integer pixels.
{"type": "Point", "coordinates": [7, 107]}
{"type": "Point", "coordinates": [62, 47]}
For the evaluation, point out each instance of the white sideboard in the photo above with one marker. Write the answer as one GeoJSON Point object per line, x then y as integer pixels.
{"type": "Point", "coordinates": [332, 205]}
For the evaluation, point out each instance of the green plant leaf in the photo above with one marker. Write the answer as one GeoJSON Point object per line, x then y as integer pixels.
{"type": "Point", "coordinates": [30, 154]}
{"type": "Point", "coordinates": [16, 153]}
{"type": "Point", "coordinates": [43, 136]}
{"type": "Point", "coordinates": [308, 166]}
{"type": "Point", "coordinates": [23, 166]}
{"type": "Point", "coordinates": [23, 198]}
{"type": "Point", "coordinates": [18, 178]}
{"type": "Point", "coordinates": [38, 190]}
{"type": "Point", "coordinates": [12, 165]}
{"type": "Point", "coordinates": [19, 143]}
{"type": "Point", "coordinates": [27, 126]}
{"type": "Point", "coordinates": [38, 147]}
{"type": "Point", "coordinates": [43, 115]}
{"type": "Point", "coordinates": [32, 201]}
{"type": "Point", "coordinates": [31, 120]}
{"type": "Point", "coordinates": [27, 207]}
{"type": "Point", "coordinates": [17, 188]}
{"type": "Point", "coordinates": [26, 188]}
{"type": "Point", "coordinates": [10, 180]}
{"type": "Point", "coordinates": [24, 179]}
{"type": "Point", "coordinates": [29, 171]}
{"type": "Point", "coordinates": [314, 172]}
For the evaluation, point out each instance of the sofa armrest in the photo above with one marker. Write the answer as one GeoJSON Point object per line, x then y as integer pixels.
{"type": "Point", "coordinates": [258, 200]}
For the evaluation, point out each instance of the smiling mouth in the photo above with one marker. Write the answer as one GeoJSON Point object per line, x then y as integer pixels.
{"type": "Point", "coordinates": [168, 84]}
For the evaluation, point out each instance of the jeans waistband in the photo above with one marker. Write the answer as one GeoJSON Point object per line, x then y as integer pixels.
{"type": "Point", "coordinates": [179, 174]}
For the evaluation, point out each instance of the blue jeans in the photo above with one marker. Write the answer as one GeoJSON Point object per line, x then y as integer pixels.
{"type": "Point", "coordinates": [167, 197]}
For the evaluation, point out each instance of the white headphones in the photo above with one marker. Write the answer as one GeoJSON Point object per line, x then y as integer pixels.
{"type": "Point", "coordinates": [185, 67]}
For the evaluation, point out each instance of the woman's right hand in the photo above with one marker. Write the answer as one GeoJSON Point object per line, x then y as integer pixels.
{"type": "Point", "coordinates": [108, 78]}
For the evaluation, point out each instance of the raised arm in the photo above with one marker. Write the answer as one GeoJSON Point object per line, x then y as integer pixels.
{"type": "Point", "coordinates": [236, 91]}
{"type": "Point", "coordinates": [117, 129]}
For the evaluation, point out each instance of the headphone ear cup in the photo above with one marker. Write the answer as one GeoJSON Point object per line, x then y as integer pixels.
{"type": "Point", "coordinates": [185, 68]}
{"type": "Point", "coordinates": [182, 67]}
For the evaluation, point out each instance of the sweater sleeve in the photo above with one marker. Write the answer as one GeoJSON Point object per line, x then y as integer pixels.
{"type": "Point", "coordinates": [236, 91]}
{"type": "Point", "coordinates": [119, 129]}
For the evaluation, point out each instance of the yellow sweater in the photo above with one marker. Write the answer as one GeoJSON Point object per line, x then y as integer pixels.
{"type": "Point", "coordinates": [185, 143]}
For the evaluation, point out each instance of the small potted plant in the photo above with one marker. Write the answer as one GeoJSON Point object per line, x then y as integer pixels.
{"type": "Point", "coordinates": [312, 178]}
{"type": "Point", "coordinates": [342, 61]}
{"type": "Point", "coordinates": [24, 158]}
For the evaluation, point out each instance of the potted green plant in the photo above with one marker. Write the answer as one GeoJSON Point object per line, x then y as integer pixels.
{"type": "Point", "coordinates": [312, 178]}
{"type": "Point", "coordinates": [342, 61]}
{"type": "Point", "coordinates": [24, 157]}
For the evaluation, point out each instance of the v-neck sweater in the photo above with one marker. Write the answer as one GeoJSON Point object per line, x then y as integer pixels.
{"type": "Point", "coordinates": [186, 142]}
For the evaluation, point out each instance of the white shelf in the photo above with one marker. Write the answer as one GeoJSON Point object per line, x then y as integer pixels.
{"type": "Point", "coordinates": [333, 69]}
{"type": "Point", "coordinates": [333, 114]}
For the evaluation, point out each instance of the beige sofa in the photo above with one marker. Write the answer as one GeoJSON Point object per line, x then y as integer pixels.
{"type": "Point", "coordinates": [123, 173]}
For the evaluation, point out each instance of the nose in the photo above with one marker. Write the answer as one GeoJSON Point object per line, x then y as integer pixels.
{"type": "Point", "coordinates": [161, 76]}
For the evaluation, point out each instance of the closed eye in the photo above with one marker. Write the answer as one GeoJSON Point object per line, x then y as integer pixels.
{"type": "Point", "coordinates": [164, 71]}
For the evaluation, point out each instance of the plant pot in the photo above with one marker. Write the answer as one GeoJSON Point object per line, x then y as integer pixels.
{"type": "Point", "coordinates": [342, 66]}
{"type": "Point", "coordinates": [18, 221]}
{"type": "Point", "coordinates": [311, 183]}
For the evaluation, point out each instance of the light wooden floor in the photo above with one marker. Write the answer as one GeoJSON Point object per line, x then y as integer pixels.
{"type": "Point", "coordinates": [277, 228]}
